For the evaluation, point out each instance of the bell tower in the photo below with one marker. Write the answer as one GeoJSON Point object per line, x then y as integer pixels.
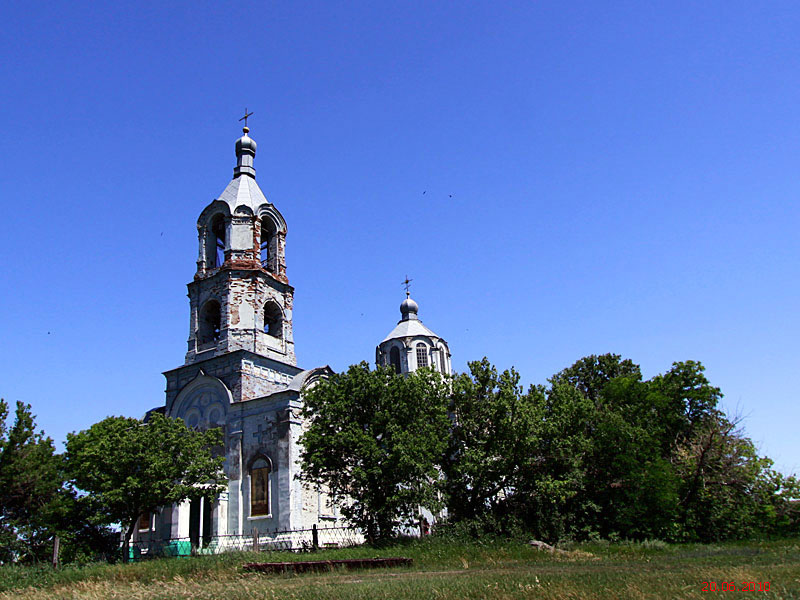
{"type": "Point", "coordinates": [240, 372]}
{"type": "Point", "coordinates": [240, 298]}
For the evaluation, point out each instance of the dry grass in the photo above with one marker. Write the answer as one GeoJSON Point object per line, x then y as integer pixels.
{"type": "Point", "coordinates": [441, 571]}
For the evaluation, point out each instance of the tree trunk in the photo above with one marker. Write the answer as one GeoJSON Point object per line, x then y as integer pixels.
{"type": "Point", "coordinates": [698, 473]}
{"type": "Point", "coordinates": [371, 532]}
{"type": "Point", "coordinates": [56, 544]}
{"type": "Point", "coordinates": [385, 528]}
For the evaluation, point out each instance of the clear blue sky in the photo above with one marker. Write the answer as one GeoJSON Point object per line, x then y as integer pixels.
{"type": "Point", "coordinates": [599, 177]}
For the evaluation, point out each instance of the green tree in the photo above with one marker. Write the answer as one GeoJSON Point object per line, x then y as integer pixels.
{"type": "Point", "coordinates": [690, 401]}
{"type": "Point", "coordinates": [622, 466]}
{"type": "Point", "coordinates": [128, 467]}
{"type": "Point", "coordinates": [590, 374]}
{"type": "Point", "coordinates": [602, 452]}
{"type": "Point", "coordinates": [779, 512]}
{"type": "Point", "coordinates": [665, 462]}
{"type": "Point", "coordinates": [551, 498]}
{"type": "Point", "coordinates": [728, 490]}
{"type": "Point", "coordinates": [30, 480]}
{"type": "Point", "coordinates": [373, 440]}
{"type": "Point", "coordinates": [85, 533]}
{"type": "Point", "coordinates": [491, 442]}
{"type": "Point", "coordinates": [632, 482]}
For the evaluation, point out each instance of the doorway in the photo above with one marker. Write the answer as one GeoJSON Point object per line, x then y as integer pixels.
{"type": "Point", "coordinates": [201, 513]}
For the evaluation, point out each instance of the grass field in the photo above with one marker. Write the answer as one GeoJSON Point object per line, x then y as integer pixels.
{"type": "Point", "coordinates": [441, 570]}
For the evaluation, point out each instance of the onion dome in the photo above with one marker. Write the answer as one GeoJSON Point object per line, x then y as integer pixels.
{"type": "Point", "coordinates": [409, 309]}
{"type": "Point", "coordinates": [245, 143]}
{"type": "Point", "coordinates": [245, 153]}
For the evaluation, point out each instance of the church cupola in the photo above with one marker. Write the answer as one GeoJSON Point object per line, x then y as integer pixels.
{"type": "Point", "coordinates": [409, 309]}
{"type": "Point", "coordinates": [245, 153]}
{"type": "Point", "coordinates": [411, 345]}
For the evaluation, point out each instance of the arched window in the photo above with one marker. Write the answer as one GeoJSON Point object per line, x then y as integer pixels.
{"type": "Point", "coordinates": [269, 240]}
{"type": "Point", "coordinates": [209, 325]}
{"type": "Point", "coordinates": [394, 358]}
{"type": "Point", "coordinates": [443, 358]}
{"type": "Point", "coordinates": [422, 356]}
{"type": "Point", "coordinates": [259, 487]}
{"type": "Point", "coordinates": [218, 235]}
{"type": "Point", "coordinates": [273, 319]}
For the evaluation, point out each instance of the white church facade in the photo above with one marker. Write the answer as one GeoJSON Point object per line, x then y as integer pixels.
{"type": "Point", "coordinates": [240, 371]}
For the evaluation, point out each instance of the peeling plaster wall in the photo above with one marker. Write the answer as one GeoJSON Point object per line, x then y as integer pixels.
{"type": "Point", "coordinates": [261, 419]}
{"type": "Point", "coordinates": [269, 427]}
{"type": "Point", "coordinates": [247, 375]}
{"type": "Point", "coordinates": [242, 295]}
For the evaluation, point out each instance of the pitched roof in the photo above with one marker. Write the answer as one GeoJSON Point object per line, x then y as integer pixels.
{"type": "Point", "coordinates": [409, 328]}
{"type": "Point", "coordinates": [243, 190]}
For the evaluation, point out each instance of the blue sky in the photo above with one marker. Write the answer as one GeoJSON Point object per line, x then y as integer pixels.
{"type": "Point", "coordinates": [559, 179]}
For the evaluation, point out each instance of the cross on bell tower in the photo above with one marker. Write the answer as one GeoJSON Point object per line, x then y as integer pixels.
{"type": "Point", "coordinates": [244, 118]}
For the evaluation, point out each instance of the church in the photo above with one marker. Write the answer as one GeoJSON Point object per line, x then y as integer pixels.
{"type": "Point", "coordinates": [240, 372]}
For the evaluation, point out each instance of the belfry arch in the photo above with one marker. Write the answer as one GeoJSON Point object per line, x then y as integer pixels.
{"type": "Point", "coordinates": [209, 323]}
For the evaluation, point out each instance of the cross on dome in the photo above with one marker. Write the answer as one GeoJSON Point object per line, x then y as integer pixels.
{"type": "Point", "coordinates": [407, 284]}
{"type": "Point", "coordinates": [244, 118]}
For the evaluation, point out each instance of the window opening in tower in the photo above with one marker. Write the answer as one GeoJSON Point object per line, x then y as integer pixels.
{"type": "Point", "coordinates": [218, 229]}
{"type": "Point", "coordinates": [209, 329]}
{"type": "Point", "coordinates": [422, 356]}
{"type": "Point", "coordinates": [269, 245]}
{"type": "Point", "coordinates": [273, 320]}
{"type": "Point", "coordinates": [265, 247]}
{"type": "Point", "coordinates": [394, 358]}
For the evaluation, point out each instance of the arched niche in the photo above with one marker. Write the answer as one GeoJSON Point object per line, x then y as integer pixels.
{"type": "Point", "coordinates": [443, 358]}
{"type": "Point", "coordinates": [204, 401]}
{"type": "Point", "coordinates": [259, 471]}
{"type": "Point", "coordinates": [268, 212]}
